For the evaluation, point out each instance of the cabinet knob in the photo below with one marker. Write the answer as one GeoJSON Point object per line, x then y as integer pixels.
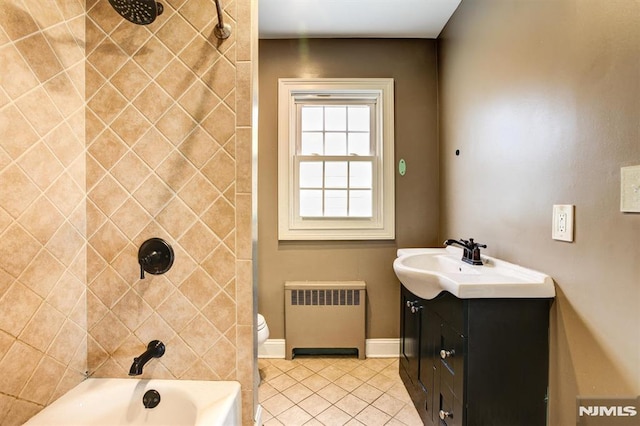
{"type": "Point", "coordinates": [447, 354]}
{"type": "Point", "coordinates": [445, 414]}
{"type": "Point", "coordinates": [414, 306]}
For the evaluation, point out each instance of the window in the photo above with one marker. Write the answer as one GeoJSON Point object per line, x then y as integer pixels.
{"type": "Point", "coordinates": [335, 159]}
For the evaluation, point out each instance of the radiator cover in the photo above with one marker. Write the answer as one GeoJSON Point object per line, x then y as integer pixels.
{"type": "Point", "coordinates": [324, 315]}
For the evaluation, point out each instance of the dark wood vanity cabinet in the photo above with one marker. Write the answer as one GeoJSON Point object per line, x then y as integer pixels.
{"type": "Point", "coordinates": [475, 362]}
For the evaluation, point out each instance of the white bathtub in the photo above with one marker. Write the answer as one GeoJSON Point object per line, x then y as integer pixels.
{"type": "Point", "coordinates": [114, 402]}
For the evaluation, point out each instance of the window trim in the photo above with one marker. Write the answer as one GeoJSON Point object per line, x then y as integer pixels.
{"type": "Point", "coordinates": [290, 227]}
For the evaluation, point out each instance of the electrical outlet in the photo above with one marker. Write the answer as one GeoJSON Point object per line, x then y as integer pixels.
{"type": "Point", "coordinates": [562, 223]}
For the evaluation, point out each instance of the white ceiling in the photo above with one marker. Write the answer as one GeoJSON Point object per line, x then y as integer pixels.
{"type": "Point", "coordinates": [354, 18]}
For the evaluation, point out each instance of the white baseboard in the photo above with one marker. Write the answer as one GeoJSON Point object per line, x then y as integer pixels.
{"type": "Point", "coordinates": [272, 348]}
{"type": "Point", "coordinates": [257, 421]}
{"type": "Point", "coordinates": [382, 348]}
{"type": "Point", "coordinates": [374, 348]}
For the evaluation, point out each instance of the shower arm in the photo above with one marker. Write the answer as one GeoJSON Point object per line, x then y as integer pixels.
{"type": "Point", "coordinates": [221, 30]}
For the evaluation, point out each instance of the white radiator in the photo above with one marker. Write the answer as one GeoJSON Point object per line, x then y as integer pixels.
{"type": "Point", "coordinates": [324, 315]}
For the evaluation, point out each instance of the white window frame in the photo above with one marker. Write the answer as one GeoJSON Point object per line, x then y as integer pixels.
{"type": "Point", "coordinates": [381, 226]}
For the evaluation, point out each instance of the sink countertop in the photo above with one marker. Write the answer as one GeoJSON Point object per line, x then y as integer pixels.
{"type": "Point", "coordinates": [427, 272]}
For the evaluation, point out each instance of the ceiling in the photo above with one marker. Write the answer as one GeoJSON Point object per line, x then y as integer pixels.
{"type": "Point", "coordinates": [354, 18]}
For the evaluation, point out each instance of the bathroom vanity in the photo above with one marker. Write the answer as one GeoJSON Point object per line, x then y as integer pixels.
{"type": "Point", "coordinates": [481, 360]}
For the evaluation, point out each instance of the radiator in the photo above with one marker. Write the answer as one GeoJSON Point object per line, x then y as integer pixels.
{"type": "Point", "coordinates": [324, 315]}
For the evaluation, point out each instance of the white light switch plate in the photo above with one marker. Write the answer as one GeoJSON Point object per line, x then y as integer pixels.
{"type": "Point", "coordinates": [630, 189]}
{"type": "Point", "coordinates": [562, 224]}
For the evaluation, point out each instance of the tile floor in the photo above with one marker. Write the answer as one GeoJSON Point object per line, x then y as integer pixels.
{"type": "Point", "coordinates": [334, 391]}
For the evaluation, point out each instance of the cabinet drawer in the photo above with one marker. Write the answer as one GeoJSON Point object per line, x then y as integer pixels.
{"type": "Point", "coordinates": [451, 358]}
{"type": "Point", "coordinates": [449, 409]}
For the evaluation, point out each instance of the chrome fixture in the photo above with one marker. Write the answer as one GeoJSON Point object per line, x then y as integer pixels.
{"type": "Point", "coordinates": [471, 249]}
{"type": "Point", "coordinates": [155, 349]}
{"type": "Point", "coordinates": [141, 12]}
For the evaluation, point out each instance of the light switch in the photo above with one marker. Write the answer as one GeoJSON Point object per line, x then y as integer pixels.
{"type": "Point", "coordinates": [630, 189]}
{"type": "Point", "coordinates": [562, 223]}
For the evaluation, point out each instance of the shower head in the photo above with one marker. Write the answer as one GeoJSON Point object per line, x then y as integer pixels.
{"type": "Point", "coordinates": [141, 12]}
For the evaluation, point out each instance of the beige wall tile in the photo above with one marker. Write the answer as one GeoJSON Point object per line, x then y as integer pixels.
{"type": "Point", "coordinates": [140, 182]}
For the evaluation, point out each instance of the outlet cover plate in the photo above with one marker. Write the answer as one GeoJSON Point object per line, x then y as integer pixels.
{"type": "Point", "coordinates": [562, 223]}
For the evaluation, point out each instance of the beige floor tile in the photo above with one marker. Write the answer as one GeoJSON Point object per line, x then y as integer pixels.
{"type": "Point", "coordinates": [277, 404]}
{"type": "Point", "coordinates": [282, 382]}
{"type": "Point", "coordinates": [363, 373]}
{"type": "Point", "coordinates": [297, 392]}
{"type": "Point", "coordinates": [388, 404]}
{"type": "Point", "coordinates": [351, 405]}
{"type": "Point", "coordinates": [333, 416]}
{"type": "Point", "coordinates": [367, 393]}
{"type": "Point", "coordinates": [294, 416]}
{"type": "Point", "coordinates": [314, 405]}
{"type": "Point", "coordinates": [371, 416]}
{"type": "Point", "coordinates": [315, 382]}
{"type": "Point", "coordinates": [299, 373]}
{"type": "Point", "coordinates": [408, 416]}
{"type": "Point", "coordinates": [348, 382]}
{"type": "Point", "coordinates": [333, 393]}
{"type": "Point", "coordinates": [265, 392]}
{"type": "Point", "coordinates": [332, 373]}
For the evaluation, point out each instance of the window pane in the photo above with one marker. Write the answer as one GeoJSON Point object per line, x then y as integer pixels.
{"type": "Point", "coordinates": [359, 117]}
{"type": "Point", "coordinates": [311, 174]}
{"type": "Point", "coordinates": [335, 174]}
{"type": "Point", "coordinates": [335, 118]}
{"type": "Point", "coordinates": [311, 203]}
{"type": "Point", "coordinates": [335, 144]}
{"type": "Point", "coordinates": [360, 174]}
{"type": "Point", "coordinates": [311, 118]}
{"type": "Point", "coordinates": [360, 203]}
{"type": "Point", "coordinates": [359, 144]}
{"type": "Point", "coordinates": [311, 143]}
{"type": "Point", "coordinates": [335, 203]}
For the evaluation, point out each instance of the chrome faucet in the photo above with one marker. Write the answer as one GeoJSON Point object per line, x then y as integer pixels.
{"type": "Point", "coordinates": [471, 250]}
{"type": "Point", "coordinates": [155, 349]}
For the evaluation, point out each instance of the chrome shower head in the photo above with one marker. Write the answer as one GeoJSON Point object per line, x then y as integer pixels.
{"type": "Point", "coordinates": [141, 12]}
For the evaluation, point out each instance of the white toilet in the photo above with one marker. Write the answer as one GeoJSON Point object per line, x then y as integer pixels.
{"type": "Point", "coordinates": [263, 330]}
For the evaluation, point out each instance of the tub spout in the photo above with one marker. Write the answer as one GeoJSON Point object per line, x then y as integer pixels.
{"type": "Point", "coordinates": [155, 349]}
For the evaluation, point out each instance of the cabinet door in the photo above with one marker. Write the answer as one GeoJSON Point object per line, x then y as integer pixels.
{"type": "Point", "coordinates": [410, 330]}
{"type": "Point", "coordinates": [429, 355]}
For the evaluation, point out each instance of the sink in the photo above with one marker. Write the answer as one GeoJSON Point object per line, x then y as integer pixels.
{"type": "Point", "coordinates": [427, 272]}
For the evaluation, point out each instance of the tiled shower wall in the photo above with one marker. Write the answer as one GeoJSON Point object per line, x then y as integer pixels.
{"type": "Point", "coordinates": [159, 145]}
{"type": "Point", "coordinates": [169, 156]}
{"type": "Point", "coordinates": [43, 314]}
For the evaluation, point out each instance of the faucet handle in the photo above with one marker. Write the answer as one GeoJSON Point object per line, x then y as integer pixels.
{"type": "Point", "coordinates": [473, 245]}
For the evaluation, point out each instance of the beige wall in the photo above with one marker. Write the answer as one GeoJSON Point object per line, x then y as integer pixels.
{"type": "Point", "coordinates": [42, 210]}
{"type": "Point", "coordinates": [164, 151]}
{"type": "Point", "coordinates": [412, 65]}
{"type": "Point", "coordinates": [542, 99]}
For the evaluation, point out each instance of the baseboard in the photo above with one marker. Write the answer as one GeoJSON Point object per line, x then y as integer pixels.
{"type": "Point", "coordinates": [258, 417]}
{"type": "Point", "coordinates": [375, 348]}
{"type": "Point", "coordinates": [382, 348]}
{"type": "Point", "coordinates": [272, 348]}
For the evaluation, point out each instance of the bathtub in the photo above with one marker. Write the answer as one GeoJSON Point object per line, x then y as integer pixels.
{"type": "Point", "coordinates": [114, 402]}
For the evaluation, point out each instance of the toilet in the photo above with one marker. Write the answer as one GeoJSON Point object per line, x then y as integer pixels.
{"type": "Point", "coordinates": [263, 330]}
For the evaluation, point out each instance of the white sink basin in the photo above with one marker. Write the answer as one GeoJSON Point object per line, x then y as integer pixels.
{"type": "Point", "coordinates": [428, 272]}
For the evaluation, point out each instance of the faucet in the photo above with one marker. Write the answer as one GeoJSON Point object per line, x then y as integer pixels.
{"type": "Point", "coordinates": [155, 349]}
{"type": "Point", "coordinates": [471, 253]}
